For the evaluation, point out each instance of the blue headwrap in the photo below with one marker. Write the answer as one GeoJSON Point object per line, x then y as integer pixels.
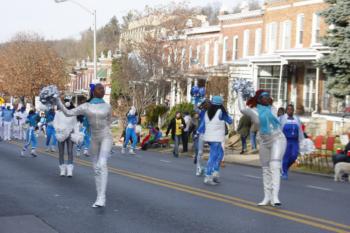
{"type": "Point", "coordinates": [268, 121]}
{"type": "Point", "coordinates": [92, 88]}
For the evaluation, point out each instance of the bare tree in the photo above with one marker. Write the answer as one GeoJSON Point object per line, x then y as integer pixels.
{"type": "Point", "coordinates": [27, 64]}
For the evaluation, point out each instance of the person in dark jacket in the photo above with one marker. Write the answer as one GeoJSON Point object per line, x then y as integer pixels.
{"type": "Point", "coordinates": [343, 156]}
{"type": "Point", "coordinates": [176, 127]}
{"type": "Point", "coordinates": [243, 129]}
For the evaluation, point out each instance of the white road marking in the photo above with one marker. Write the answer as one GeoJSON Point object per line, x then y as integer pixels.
{"type": "Point", "coordinates": [254, 177]}
{"type": "Point", "coordinates": [319, 188]}
{"type": "Point", "coordinates": [165, 161]}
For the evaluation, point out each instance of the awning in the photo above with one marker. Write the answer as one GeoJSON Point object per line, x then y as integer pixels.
{"type": "Point", "coordinates": [102, 73]}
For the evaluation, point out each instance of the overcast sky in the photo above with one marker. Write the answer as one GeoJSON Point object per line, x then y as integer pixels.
{"type": "Point", "coordinates": [66, 20]}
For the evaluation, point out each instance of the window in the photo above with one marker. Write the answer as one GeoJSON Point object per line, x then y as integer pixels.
{"type": "Point", "coordinates": [257, 47]}
{"type": "Point", "coordinates": [271, 37]}
{"type": "Point", "coordinates": [235, 48]}
{"type": "Point", "coordinates": [246, 43]}
{"type": "Point", "coordinates": [224, 50]}
{"type": "Point", "coordinates": [315, 29]}
{"type": "Point", "coordinates": [268, 77]}
{"type": "Point", "coordinates": [286, 35]}
{"type": "Point", "coordinates": [300, 31]}
{"type": "Point", "coordinates": [216, 53]}
{"type": "Point", "coordinates": [206, 58]}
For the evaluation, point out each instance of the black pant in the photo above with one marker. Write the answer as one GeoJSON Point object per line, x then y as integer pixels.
{"type": "Point", "coordinates": [61, 145]}
{"type": "Point", "coordinates": [337, 158]}
{"type": "Point", "coordinates": [185, 136]}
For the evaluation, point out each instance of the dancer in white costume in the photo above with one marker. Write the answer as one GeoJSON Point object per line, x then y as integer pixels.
{"type": "Point", "coordinates": [272, 142]}
{"type": "Point", "coordinates": [98, 114]}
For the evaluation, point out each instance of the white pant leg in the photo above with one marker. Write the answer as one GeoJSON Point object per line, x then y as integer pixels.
{"type": "Point", "coordinates": [7, 130]}
{"type": "Point", "coordinates": [101, 151]}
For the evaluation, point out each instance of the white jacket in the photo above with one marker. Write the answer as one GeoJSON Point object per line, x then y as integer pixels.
{"type": "Point", "coordinates": [64, 126]}
{"type": "Point", "coordinates": [214, 128]}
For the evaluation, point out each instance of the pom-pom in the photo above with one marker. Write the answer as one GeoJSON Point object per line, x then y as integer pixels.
{"type": "Point", "coordinates": [244, 87]}
{"type": "Point", "coordinates": [48, 95]}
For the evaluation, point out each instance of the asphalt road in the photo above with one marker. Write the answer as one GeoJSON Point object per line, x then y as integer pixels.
{"type": "Point", "coordinates": [153, 192]}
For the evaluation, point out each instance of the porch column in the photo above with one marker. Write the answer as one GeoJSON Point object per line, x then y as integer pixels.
{"type": "Point", "coordinates": [280, 101]}
{"type": "Point", "coordinates": [317, 88]}
{"type": "Point", "coordinates": [230, 103]}
{"type": "Point", "coordinates": [178, 92]}
{"type": "Point", "coordinates": [157, 96]}
{"type": "Point", "coordinates": [189, 87]}
{"type": "Point", "coordinates": [172, 93]}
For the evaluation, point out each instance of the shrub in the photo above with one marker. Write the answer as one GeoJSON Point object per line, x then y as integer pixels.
{"type": "Point", "coordinates": [183, 107]}
{"type": "Point", "coordinates": [155, 111]}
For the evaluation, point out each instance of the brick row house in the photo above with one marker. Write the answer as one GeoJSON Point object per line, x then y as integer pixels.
{"type": "Point", "coordinates": [275, 47]}
{"type": "Point", "coordinates": [83, 73]}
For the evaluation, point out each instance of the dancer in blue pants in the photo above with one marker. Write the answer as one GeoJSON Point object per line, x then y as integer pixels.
{"type": "Point", "coordinates": [51, 140]}
{"type": "Point", "coordinates": [87, 138]}
{"type": "Point", "coordinates": [31, 138]}
{"type": "Point", "coordinates": [213, 127]}
{"type": "Point", "coordinates": [291, 127]}
{"type": "Point", "coordinates": [130, 132]}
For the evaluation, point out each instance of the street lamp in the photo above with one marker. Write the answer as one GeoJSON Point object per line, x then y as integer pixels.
{"type": "Point", "coordinates": [93, 13]}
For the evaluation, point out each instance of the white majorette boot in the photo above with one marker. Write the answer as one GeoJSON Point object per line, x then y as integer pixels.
{"type": "Point", "coordinates": [123, 150]}
{"type": "Point", "coordinates": [275, 183]}
{"type": "Point", "coordinates": [132, 152]}
{"type": "Point", "coordinates": [70, 170]}
{"type": "Point", "coordinates": [209, 180]}
{"type": "Point", "coordinates": [267, 187]}
{"type": "Point", "coordinates": [63, 169]}
{"type": "Point", "coordinates": [101, 177]}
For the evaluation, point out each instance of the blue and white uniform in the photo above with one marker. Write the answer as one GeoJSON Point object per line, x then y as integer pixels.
{"type": "Point", "coordinates": [87, 137]}
{"type": "Point", "coordinates": [130, 132]}
{"type": "Point", "coordinates": [7, 116]}
{"type": "Point", "coordinates": [50, 131]}
{"type": "Point", "coordinates": [31, 137]}
{"type": "Point", "coordinates": [213, 131]}
{"type": "Point", "coordinates": [291, 127]}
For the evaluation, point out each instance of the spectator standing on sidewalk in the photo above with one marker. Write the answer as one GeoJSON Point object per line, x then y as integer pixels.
{"type": "Point", "coordinates": [253, 132]}
{"type": "Point", "coordinates": [243, 129]}
{"type": "Point", "coordinates": [7, 116]}
{"type": "Point", "coordinates": [186, 131]}
{"type": "Point", "coordinates": [176, 126]}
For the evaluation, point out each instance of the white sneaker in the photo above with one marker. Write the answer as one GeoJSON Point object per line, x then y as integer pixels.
{"type": "Point", "coordinates": [123, 150]}
{"type": "Point", "coordinates": [47, 149]}
{"type": "Point", "coordinates": [132, 152]}
{"type": "Point", "coordinates": [78, 153]}
{"type": "Point", "coordinates": [33, 153]}
{"type": "Point", "coordinates": [86, 153]}
{"type": "Point", "coordinates": [53, 149]}
{"type": "Point", "coordinates": [23, 153]}
{"type": "Point", "coordinates": [209, 180]}
{"type": "Point", "coordinates": [62, 170]}
{"type": "Point", "coordinates": [199, 171]}
{"type": "Point", "coordinates": [70, 170]}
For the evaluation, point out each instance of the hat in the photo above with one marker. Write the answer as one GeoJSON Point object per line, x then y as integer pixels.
{"type": "Point", "coordinates": [216, 100]}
